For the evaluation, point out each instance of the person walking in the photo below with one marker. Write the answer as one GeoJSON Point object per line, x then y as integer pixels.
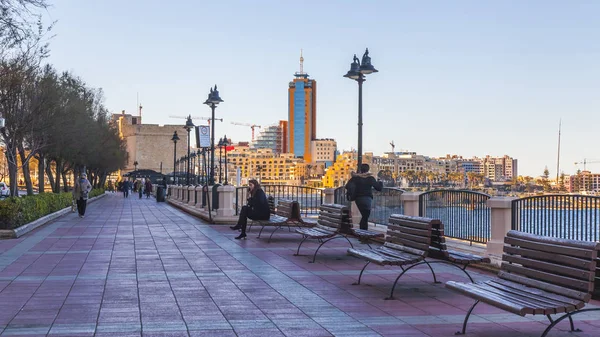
{"type": "Point", "coordinates": [80, 193]}
{"type": "Point", "coordinates": [148, 188]}
{"type": "Point", "coordinates": [256, 209]}
{"type": "Point", "coordinates": [360, 188]}
{"type": "Point", "coordinates": [126, 187]}
{"type": "Point", "coordinates": [140, 188]}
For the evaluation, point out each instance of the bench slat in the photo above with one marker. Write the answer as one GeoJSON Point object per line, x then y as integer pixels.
{"type": "Point", "coordinates": [558, 258]}
{"type": "Point", "coordinates": [408, 243]}
{"type": "Point", "coordinates": [551, 267]}
{"type": "Point", "coordinates": [587, 245]}
{"type": "Point", "coordinates": [553, 288]}
{"type": "Point", "coordinates": [517, 287]}
{"type": "Point", "coordinates": [486, 297]}
{"type": "Point", "coordinates": [549, 248]}
{"type": "Point", "coordinates": [549, 277]}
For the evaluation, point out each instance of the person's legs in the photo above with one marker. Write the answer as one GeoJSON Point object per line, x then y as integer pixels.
{"type": "Point", "coordinates": [243, 219]}
{"type": "Point", "coordinates": [364, 206]}
{"type": "Point", "coordinates": [83, 206]}
{"type": "Point", "coordinates": [80, 207]}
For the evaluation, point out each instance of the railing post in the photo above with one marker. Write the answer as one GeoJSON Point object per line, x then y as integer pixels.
{"type": "Point", "coordinates": [329, 196]}
{"type": "Point", "coordinates": [191, 195]}
{"type": "Point", "coordinates": [199, 196]}
{"type": "Point", "coordinates": [210, 198]}
{"type": "Point", "coordinates": [226, 195]}
{"type": "Point", "coordinates": [500, 223]}
{"type": "Point", "coordinates": [411, 203]}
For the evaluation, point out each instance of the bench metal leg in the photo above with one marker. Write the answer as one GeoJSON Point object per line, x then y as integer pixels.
{"type": "Point", "coordinates": [432, 272]}
{"type": "Point", "coordinates": [273, 232]}
{"type": "Point", "coordinates": [300, 245]}
{"type": "Point", "coordinates": [324, 242]}
{"type": "Point", "coordinates": [360, 275]}
{"type": "Point", "coordinates": [569, 316]}
{"type": "Point", "coordinates": [464, 328]}
{"type": "Point", "coordinates": [403, 272]}
{"type": "Point", "coordinates": [259, 233]}
{"type": "Point", "coordinates": [463, 269]}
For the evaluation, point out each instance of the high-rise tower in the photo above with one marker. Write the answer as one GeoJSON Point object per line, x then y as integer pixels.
{"type": "Point", "coordinates": [302, 113]}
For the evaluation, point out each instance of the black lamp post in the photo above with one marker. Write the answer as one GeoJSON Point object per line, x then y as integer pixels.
{"type": "Point", "coordinates": [174, 139]}
{"type": "Point", "coordinates": [181, 164]}
{"type": "Point", "coordinates": [199, 163]}
{"type": "Point", "coordinates": [213, 100]}
{"type": "Point", "coordinates": [188, 127]}
{"type": "Point", "coordinates": [135, 164]}
{"type": "Point", "coordinates": [193, 155]}
{"type": "Point", "coordinates": [220, 145]}
{"type": "Point", "coordinates": [357, 72]}
{"type": "Point", "coordinates": [225, 144]}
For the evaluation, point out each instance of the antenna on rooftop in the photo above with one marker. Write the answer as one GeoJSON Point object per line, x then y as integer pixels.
{"type": "Point", "coordinates": [301, 63]}
{"type": "Point", "coordinates": [393, 146]}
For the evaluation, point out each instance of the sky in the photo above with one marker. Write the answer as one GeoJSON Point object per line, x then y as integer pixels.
{"type": "Point", "coordinates": [471, 78]}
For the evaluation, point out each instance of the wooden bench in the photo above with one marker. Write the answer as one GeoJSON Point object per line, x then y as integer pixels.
{"type": "Point", "coordinates": [406, 244]}
{"type": "Point", "coordinates": [439, 250]}
{"type": "Point", "coordinates": [286, 213]}
{"type": "Point", "coordinates": [539, 276]}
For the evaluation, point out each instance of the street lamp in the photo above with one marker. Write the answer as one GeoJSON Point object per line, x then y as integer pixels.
{"type": "Point", "coordinates": [188, 127]}
{"type": "Point", "coordinates": [193, 155]}
{"type": "Point", "coordinates": [220, 145]}
{"type": "Point", "coordinates": [225, 144]}
{"type": "Point", "coordinates": [135, 164]}
{"type": "Point", "coordinates": [357, 72]}
{"type": "Point", "coordinates": [213, 100]}
{"type": "Point", "coordinates": [175, 138]}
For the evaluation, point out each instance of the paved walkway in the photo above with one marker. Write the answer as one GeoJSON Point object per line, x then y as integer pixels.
{"type": "Point", "coordinates": [139, 268]}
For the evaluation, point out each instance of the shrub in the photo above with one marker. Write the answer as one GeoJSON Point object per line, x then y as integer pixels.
{"type": "Point", "coordinates": [17, 211]}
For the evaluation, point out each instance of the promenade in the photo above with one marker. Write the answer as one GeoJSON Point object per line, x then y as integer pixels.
{"type": "Point", "coordinates": [136, 267]}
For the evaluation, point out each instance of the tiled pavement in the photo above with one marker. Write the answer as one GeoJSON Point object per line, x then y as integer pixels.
{"type": "Point", "coordinates": [139, 268]}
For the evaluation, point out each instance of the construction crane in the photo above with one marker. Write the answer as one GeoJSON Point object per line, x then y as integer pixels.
{"type": "Point", "coordinates": [585, 161]}
{"type": "Point", "coordinates": [198, 117]}
{"type": "Point", "coordinates": [393, 146]}
{"type": "Point", "coordinates": [252, 126]}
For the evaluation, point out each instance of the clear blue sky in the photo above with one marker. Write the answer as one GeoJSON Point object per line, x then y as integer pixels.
{"type": "Point", "coordinates": [456, 77]}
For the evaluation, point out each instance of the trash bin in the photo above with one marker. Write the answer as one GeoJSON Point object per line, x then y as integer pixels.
{"type": "Point", "coordinates": [160, 194]}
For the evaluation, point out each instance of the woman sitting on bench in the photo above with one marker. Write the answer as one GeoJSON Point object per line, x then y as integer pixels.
{"type": "Point", "coordinates": [257, 208]}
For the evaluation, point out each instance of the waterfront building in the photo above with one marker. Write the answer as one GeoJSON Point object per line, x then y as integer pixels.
{"type": "Point", "coordinates": [272, 137]}
{"type": "Point", "coordinates": [340, 172]}
{"type": "Point", "coordinates": [323, 151]}
{"type": "Point", "coordinates": [302, 114]}
{"type": "Point", "coordinates": [268, 167]}
{"type": "Point", "coordinates": [583, 182]}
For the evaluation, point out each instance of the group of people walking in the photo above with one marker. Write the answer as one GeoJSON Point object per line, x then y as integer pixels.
{"type": "Point", "coordinates": [140, 186]}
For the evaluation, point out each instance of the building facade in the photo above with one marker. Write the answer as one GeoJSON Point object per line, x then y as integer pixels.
{"type": "Point", "coordinates": [149, 144]}
{"type": "Point", "coordinates": [302, 114]}
{"type": "Point", "coordinates": [264, 165]}
{"type": "Point", "coordinates": [323, 151]}
{"type": "Point", "coordinates": [272, 137]}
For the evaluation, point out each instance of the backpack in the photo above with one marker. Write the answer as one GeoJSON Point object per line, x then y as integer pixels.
{"type": "Point", "coordinates": [350, 190]}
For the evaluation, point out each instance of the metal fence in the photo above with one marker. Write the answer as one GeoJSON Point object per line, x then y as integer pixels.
{"type": "Point", "coordinates": [575, 217]}
{"type": "Point", "coordinates": [310, 198]}
{"type": "Point", "coordinates": [465, 214]}
{"type": "Point", "coordinates": [386, 203]}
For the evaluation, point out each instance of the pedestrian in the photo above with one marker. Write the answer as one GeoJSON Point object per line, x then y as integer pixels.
{"type": "Point", "coordinates": [140, 188]}
{"type": "Point", "coordinates": [256, 209]}
{"type": "Point", "coordinates": [148, 188]}
{"type": "Point", "coordinates": [360, 187]}
{"type": "Point", "coordinates": [126, 187]}
{"type": "Point", "coordinates": [80, 193]}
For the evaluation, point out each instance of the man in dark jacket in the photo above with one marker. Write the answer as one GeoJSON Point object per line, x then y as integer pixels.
{"type": "Point", "coordinates": [363, 183]}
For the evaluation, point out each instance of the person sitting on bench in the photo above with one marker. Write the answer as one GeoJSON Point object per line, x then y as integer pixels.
{"type": "Point", "coordinates": [256, 209]}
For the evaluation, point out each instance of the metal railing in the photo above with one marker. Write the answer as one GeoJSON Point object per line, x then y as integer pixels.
{"type": "Point", "coordinates": [575, 217]}
{"type": "Point", "coordinates": [310, 198]}
{"type": "Point", "coordinates": [339, 196]}
{"type": "Point", "coordinates": [465, 214]}
{"type": "Point", "coordinates": [386, 203]}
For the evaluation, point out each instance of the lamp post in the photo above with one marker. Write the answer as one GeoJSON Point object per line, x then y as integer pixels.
{"type": "Point", "coordinates": [181, 164]}
{"type": "Point", "coordinates": [357, 72]}
{"type": "Point", "coordinates": [135, 164]}
{"type": "Point", "coordinates": [188, 127]}
{"type": "Point", "coordinates": [175, 138]}
{"type": "Point", "coordinates": [220, 145]}
{"type": "Point", "coordinates": [225, 144]}
{"type": "Point", "coordinates": [213, 100]}
{"type": "Point", "coordinates": [193, 155]}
